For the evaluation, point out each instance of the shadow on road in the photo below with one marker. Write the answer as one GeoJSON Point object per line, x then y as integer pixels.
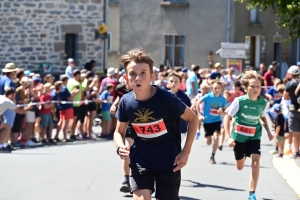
{"type": "Point", "coordinates": [197, 185]}
{"type": "Point", "coordinates": [187, 198]}
{"type": "Point", "coordinates": [267, 199]}
{"type": "Point", "coordinates": [231, 164]}
{"type": "Point", "coordinates": [128, 196]}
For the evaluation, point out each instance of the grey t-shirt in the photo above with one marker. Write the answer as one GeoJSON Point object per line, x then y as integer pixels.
{"type": "Point", "coordinates": [6, 104]}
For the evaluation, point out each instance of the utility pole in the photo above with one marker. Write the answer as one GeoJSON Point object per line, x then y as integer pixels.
{"type": "Point", "coordinates": [104, 41]}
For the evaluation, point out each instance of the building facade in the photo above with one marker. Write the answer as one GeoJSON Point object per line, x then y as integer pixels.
{"type": "Point", "coordinates": [33, 32]}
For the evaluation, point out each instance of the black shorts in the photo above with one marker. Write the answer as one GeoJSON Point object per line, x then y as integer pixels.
{"type": "Point", "coordinates": [242, 149]}
{"type": "Point", "coordinates": [37, 112]}
{"type": "Point", "coordinates": [76, 111]}
{"type": "Point", "coordinates": [82, 113]}
{"type": "Point", "coordinates": [211, 128]}
{"type": "Point", "coordinates": [167, 183]}
{"type": "Point", "coordinates": [17, 123]}
{"type": "Point", "coordinates": [92, 106]}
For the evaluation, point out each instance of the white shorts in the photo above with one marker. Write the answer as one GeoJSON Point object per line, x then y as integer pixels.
{"type": "Point", "coordinates": [30, 116]}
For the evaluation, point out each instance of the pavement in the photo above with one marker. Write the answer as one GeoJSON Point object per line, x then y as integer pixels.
{"type": "Point", "coordinates": [92, 170]}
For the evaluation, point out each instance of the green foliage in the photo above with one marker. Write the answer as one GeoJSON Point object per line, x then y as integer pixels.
{"type": "Point", "coordinates": [287, 12]}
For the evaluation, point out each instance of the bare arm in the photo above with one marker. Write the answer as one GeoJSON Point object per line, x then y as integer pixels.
{"type": "Point", "coordinates": [286, 95]}
{"type": "Point", "coordinates": [119, 136]}
{"type": "Point", "coordinates": [297, 90]}
{"type": "Point", "coordinates": [266, 126]}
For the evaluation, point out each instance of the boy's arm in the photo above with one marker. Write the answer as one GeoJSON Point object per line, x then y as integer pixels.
{"type": "Point", "coordinates": [182, 158]}
{"type": "Point", "coordinates": [266, 126]}
{"type": "Point", "coordinates": [114, 106]}
{"type": "Point", "coordinates": [119, 135]}
{"type": "Point", "coordinates": [277, 131]}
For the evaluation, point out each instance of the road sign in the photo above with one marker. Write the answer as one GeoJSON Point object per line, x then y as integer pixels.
{"type": "Point", "coordinates": [233, 53]}
{"type": "Point", "coordinates": [228, 45]}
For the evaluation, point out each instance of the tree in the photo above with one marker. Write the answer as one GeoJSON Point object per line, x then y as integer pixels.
{"type": "Point", "coordinates": [287, 12]}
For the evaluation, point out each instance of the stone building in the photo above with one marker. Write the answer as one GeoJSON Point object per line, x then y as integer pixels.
{"type": "Point", "coordinates": [37, 31]}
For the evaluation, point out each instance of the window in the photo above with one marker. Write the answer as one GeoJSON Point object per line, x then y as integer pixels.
{"type": "Point", "coordinates": [174, 50]}
{"type": "Point", "coordinates": [175, 1]}
{"type": "Point", "coordinates": [254, 15]}
{"type": "Point", "coordinates": [109, 40]}
{"type": "Point", "coordinates": [70, 45]}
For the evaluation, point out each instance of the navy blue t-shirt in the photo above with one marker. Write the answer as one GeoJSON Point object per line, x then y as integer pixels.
{"type": "Point", "coordinates": [186, 100]}
{"type": "Point", "coordinates": [156, 123]}
{"type": "Point", "coordinates": [215, 75]}
{"type": "Point", "coordinates": [63, 95]}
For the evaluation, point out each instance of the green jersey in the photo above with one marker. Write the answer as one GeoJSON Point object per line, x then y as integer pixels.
{"type": "Point", "coordinates": [247, 115]}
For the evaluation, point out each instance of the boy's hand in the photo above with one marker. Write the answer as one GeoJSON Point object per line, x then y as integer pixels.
{"type": "Point", "coordinates": [113, 109]}
{"type": "Point", "coordinates": [230, 142]}
{"type": "Point", "coordinates": [220, 111]}
{"type": "Point", "coordinates": [181, 160]}
{"type": "Point", "coordinates": [271, 137]}
{"type": "Point", "coordinates": [55, 119]}
{"type": "Point", "coordinates": [124, 152]}
{"type": "Point", "coordinates": [201, 118]}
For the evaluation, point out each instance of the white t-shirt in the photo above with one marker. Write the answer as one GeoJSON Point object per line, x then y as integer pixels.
{"type": "Point", "coordinates": [6, 104]}
{"type": "Point", "coordinates": [285, 107]}
{"type": "Point", "coordinates": [230, 80]}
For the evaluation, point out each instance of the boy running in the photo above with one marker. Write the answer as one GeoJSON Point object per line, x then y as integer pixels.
{"type": "Point", "coordinates": [245, 137]}
{"type": "Point", "coordinates": [156, 156]}
{"type": "Point", "coordinates": [214, 106]}
{"type": "Point", "coordinates": [174, 82]}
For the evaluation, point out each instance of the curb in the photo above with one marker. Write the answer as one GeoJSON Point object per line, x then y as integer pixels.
{"type": "Point", "coordinates": [290, 171]}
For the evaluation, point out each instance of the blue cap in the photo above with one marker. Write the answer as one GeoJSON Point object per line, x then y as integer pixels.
{"type": "Point", "coordinates": [185, 70]}
{"type": "Point", "coordinates": [298, 63]}
{"type": "Point", "coordinates": [36, 79]}
{"type": "Point", "coordinates": [122, 72]}
{"type": "Point", "coordinates": [27, 72]}
{"type": "Point", "coordinates": [277, 107]}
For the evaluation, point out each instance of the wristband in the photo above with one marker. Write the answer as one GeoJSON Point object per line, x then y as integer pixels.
{"type": "Point", "coordinates": [118, 150]}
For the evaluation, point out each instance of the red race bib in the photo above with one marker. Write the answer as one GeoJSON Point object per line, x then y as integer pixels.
{"type": "Point", "coordinates": [245, 130]}
{"type": "Point", "coordinates": [214, 112]}
{"type": "Point", "coordinates": [151, 129]}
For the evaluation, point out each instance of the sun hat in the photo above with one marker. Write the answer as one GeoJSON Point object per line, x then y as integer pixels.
{"type": "Point", "coordinates": [111, 71]}
{"type": "Point", "coordinates": [9, 67]}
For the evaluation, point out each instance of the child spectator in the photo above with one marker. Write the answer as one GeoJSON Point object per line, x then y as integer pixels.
{"type": "Point", "coordinates": [280, 126]}
{"type": "Point", "coordinates": [236, 92]}
{"type": "Point", "coordinates": [174, 82]}
{"type": "Point", "coordinates": [105, 110]}
{"type": "Point", "coordinates": [46, 117]}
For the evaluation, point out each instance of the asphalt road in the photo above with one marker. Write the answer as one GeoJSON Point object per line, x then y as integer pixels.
{"type": "Point", "coordinates": [92, 170]}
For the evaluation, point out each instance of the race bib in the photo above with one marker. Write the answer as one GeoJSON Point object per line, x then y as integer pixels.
{"type": "Point", "coordinates": [245, 130]}
{"type": "Point", "coordinates": [277, 96]}
{"type": "Point", "coordinates": [214, 112]}
{"type": "Point", "coordinates": [151, 129]}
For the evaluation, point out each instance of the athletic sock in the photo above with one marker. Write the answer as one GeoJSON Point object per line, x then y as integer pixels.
{"type": "Point", "coordinates": [5, 145]}
{"type": "Point", "coordinates": [251, 192]}
{"type": "Point", "coordinates": [126, 178]}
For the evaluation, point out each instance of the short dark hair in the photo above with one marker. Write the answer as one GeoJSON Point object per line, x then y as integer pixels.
{"type": "Point", "coordinates": [8, 91]}
{"type": "Point", "coordinates": [196, 68]}
{"type": "Point", "coordinates": [176, 75]}
{"type": "Point", "coordinates": [138, 55]}
{"type": "Point", "coordinates": [237, 83]}
{"type": "Point", "coordinates": [20, 72]}
{"type": "Point", "coordinates": [109, 86]}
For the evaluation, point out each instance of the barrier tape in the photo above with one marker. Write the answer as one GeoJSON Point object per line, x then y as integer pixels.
{"type": "Point", "coordinates": [61, 102]}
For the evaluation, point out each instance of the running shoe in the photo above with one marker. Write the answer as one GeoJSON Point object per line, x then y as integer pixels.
{"type": "Point", "coordinates": [220, 147]}
{"type": "Point", "coordinates": [33, 139]}
{"type": "Point", "coordinates": [212, 160]}
{"type": "Point", "coordinates": [279, 155]}
{"type": "Point", "coordinates": [197, 135]}
{"type": "Point", "coordinates": [29, 143]}
{"type": "Point", "coordinates": [252, 197]}
{"type": "Point", "coordinates": [18, 144]}
{"type": "Point", "coordinates": [5, 150]}
{"type": "Point", "coordinates": [295, 156]}
{"type": "Point", "coordinates": [125, 187]}
{"type": "Point", "coordinates": [11, 148]}
{"type": "Point", "coordinates": [288, 152]}
{"type": "Point", "coordinates": [273, 152]}
{"type": "Point", "coordinates": [51, 142]}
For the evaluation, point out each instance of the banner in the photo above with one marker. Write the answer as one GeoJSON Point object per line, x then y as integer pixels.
{"type": "Point", "coordinates": [236, 64]}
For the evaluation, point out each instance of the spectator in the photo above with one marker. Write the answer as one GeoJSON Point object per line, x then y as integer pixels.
{"type": "Point", "coordinates": [217, 74]}
{"type": "Point", "coordinates": [107, 99]}
{"type": "Point", "coordinates": [192, 83]}
{"type": "Point", "coordinates": [269, 77]}
{"type": "Point", "coordinates": [70, 68]}
{"type": "Point", "coordinates": [275, 65]}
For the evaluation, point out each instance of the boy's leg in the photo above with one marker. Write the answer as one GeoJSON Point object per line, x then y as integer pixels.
{"type": "Point", "coordinates": [216, 142]}
{"type": "Point", "coordinates": [142, 194]}
{"type": "Point", "coordinates": [239, 153]}
{"type": "Point", "coordinates": [167, 185]}
{"type": "Point", "coordinates": [126, 169]}
{"type": "Point", "coordinates": [222, 137]}
{"type": "Point", "coordinates": [255, 172]}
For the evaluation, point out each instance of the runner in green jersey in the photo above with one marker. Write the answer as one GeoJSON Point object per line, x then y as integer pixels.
{"type": "Point", "coordinates": [247, 111]}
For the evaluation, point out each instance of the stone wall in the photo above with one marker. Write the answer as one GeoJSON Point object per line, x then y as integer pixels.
{"type": "Point", "coordinates": [33, 31]}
